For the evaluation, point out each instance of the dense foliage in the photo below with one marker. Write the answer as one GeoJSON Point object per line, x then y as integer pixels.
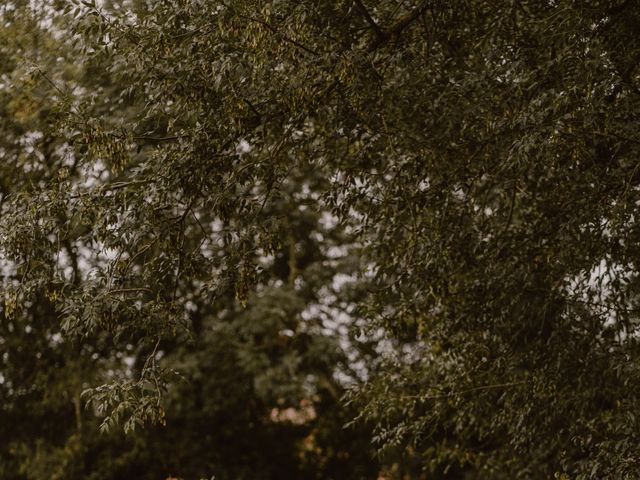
{"type": "Point", "coordinates": [218, 217]}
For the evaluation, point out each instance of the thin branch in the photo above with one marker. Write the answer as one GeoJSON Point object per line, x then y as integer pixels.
{"type": "Point", "coordinates": [463, 392]}
{"type": "Point", "coordinates": [380, 34]}
{"type": "Point", "coordinates": [277, 32]}
{"type": "Point", "coordinates": [129, 290]}
{"type": "Point", "coordinates": [617, 137]}
{"type": "Point", "coordinates": [65, 95]}
{"type": "Point", "coordinates": [183, 217]}
{"type": "Point", "coordinates": [52, 83]}
{"type": "Point", "coordinates": [398, 27]}
{"type": "Point", "coordinates": [138, 253]}
{"type": "Point", "coordinates": [151, 359]}
{"type": "Point", "coordinates": [159, 139]}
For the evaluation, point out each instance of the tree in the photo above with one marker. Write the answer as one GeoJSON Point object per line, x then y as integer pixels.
{"type": "Point", "coordinates": [480, 159]}
{"type": "Point", "coordinates": [255, 396]}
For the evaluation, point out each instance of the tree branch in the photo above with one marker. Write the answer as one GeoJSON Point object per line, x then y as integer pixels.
{"type": "Point", "coordinates": [380, 34]}
{"type": "Point", "coordinates": [398, 27]}
{"type": "Point", "coordinates": [277, 32]}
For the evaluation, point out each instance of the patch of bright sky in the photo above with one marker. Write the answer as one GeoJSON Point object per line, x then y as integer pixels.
{"type": "Point", "coordinates": [593, 287]}
{"type": "Point", "coordinates": [243, 147]}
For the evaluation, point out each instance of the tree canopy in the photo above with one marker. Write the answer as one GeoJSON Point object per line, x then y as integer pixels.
{"type": "Point", "coordinates": [244, 225]}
